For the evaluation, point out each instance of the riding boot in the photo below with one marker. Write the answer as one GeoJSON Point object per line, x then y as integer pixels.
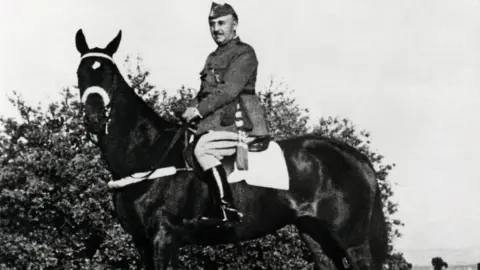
{"type": "Point", "coordinates": [221, 197]}
{"type": "Point", "coordinates": [227, 198]}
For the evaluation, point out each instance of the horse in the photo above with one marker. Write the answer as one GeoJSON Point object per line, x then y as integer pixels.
{"type": "Point", "coordinates": [333, 198]}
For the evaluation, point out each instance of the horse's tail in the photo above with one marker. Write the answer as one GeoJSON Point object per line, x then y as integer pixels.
{"type": "Point", "coordinates": [378, 232]}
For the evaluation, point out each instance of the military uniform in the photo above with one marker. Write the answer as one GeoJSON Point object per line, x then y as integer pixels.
{"type": "Point", "coordinates": [228, 79]}
{"type": "Point", "coordinates": [227, 87]}
{"type": "Point", "coordinates": [228, 111]}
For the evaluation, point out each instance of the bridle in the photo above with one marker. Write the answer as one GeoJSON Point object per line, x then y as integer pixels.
{"type": "Point", "coordinates": [108, 105]}
{"type": "Point", "coordinates": [98, 54]}
{"type": "Point", "coordinates": [100, 91]}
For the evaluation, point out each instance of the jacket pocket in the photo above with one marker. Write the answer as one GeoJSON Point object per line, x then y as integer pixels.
{"type": "Point", "coordinates": [206, 77]}
{"type": "Point", "coordinates": [218, 71]}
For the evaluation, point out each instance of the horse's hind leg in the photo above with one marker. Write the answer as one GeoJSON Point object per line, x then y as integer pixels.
{"type": "Point", "coordinates": [344, 255]}
{"type": "Point", "coordinates": [362, 256]}
{"type": "Point", "coordinates": [146, 253]}
{"type": "Point", "coordinates": [319, 260]}
{"type": "Point", "coordinates": [147, 259]}
{"type": "Point", "coordinates": [320, 235]}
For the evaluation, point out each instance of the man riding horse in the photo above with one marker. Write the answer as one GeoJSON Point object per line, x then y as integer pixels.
{"type": "Point", "coordinates": [228, 112]}
{"type": "Point", "coordinates": [333, 196]}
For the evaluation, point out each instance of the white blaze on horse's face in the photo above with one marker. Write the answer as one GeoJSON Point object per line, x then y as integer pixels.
{"type": "Point", "coordinates": [96, 65]}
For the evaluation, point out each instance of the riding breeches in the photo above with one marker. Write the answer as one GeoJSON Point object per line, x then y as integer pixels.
{"type": "Point", "coordinates": [212, 147]}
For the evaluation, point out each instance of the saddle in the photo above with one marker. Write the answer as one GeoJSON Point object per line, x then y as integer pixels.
{"type": "Point", "coordinates": [259, 144]}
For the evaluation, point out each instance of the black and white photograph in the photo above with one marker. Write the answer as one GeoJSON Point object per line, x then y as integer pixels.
{"type": "Point", "coordinates": [240, 134]}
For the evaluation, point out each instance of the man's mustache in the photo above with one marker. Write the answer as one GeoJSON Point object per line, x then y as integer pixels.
{"type": "Point", "coordinates": [218, 33]}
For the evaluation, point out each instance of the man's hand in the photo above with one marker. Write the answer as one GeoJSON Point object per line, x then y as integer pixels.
{"type": "Point", "coordinates": [191, 114]}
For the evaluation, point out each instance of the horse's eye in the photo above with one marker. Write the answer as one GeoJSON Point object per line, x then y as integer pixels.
{"type": "Point", "coordinates": [96, 65]}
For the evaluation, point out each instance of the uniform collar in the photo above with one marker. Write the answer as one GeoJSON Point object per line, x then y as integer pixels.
{"type": "Point", "coordinates": [233, 41]}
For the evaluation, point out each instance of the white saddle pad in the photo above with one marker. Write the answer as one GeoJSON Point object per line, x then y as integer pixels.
{"type": "Point", "coordinates": [265, 169]}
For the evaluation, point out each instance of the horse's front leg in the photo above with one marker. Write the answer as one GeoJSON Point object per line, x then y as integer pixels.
{"type": "Point", "coordinates": [165, 249]}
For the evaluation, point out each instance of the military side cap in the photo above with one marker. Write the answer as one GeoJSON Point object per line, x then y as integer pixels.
{"type": "Point", "coordinates": [221, 9]}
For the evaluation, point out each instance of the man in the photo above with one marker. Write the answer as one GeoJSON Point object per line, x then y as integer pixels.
{"type": "Point", "coordinates": [226, 108]}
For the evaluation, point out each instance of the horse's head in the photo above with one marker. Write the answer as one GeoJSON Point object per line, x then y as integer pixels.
{"type": "Point", "coordinates": [98, 77]}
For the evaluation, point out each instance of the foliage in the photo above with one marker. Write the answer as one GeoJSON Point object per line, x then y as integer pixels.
{"type": "Point", "coordinates": [439, 263]}
{"type": "Point", "coordinates": [396, 261]}
{"type": "Point", "coordinates": [285, 117]}
{"type": "Point", "coordinates": [55, 212]}
{"type": "Point", "coordinates": [269, 252]}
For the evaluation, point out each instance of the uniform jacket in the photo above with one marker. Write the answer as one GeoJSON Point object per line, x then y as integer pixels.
{"type": "Point", "coordinates": [227, 79]}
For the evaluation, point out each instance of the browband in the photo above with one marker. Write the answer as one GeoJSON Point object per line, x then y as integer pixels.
{"type": "Point", "coordinates": [97, 54]}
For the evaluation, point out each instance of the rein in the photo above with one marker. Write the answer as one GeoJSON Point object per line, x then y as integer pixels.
{"type": "Point", "coordinates": [174, 141]}
{"type": "Point", "coordinates": [155, 173]}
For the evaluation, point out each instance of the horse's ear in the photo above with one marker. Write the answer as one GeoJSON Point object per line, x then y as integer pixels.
{"type": "Point", "coordinates": [112, 47]}
{"type": "Point", "coordinates": [81, 43]}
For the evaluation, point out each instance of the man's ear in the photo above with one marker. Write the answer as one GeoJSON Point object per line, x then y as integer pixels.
{"type": "Point", "coordinates": [235, 25]}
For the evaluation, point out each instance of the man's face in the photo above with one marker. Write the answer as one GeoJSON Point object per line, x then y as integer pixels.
{"type": "Point", "coordinates": [223, 29]}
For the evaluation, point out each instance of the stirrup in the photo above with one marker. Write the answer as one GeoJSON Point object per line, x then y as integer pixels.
{"type": "Point", "coordinates": [214, 220]}
{"type": "Point", "coordinates": [232, 214]}
{"type": "Point", "coordinates": [206, 220]}
{"type": "Point", "coordinates": [228, 215]}
{"type": "Point", "coordinates": [216, 215]}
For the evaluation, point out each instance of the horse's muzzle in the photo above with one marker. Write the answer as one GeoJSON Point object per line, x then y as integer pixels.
{"type": "Point", "coordinates": [96, 101]}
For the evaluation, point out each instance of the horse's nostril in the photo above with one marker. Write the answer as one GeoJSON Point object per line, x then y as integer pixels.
{"type": "Point", "coordinates": [94, 121]}
{"type": "Point", "coordinates": [95, 113]}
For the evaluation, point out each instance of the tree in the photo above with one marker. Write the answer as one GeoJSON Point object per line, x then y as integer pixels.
{"type": "Point", "coordinates": [396, 261]}
{"type": "Point", "coordinates": [285, 117]}
{"type": "Point", "coordinates": [54, 209]}
{"type": "Point", "coordinates": [438, 263]}
{"type": "Point", "coordinates": [55, 212]}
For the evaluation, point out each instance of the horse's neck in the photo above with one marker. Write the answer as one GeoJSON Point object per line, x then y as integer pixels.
{"type": "Point", "coordinates": [137, 134]}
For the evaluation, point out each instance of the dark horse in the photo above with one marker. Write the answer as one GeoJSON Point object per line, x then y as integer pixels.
{"type": "Point", "coordinates": [333, 200]}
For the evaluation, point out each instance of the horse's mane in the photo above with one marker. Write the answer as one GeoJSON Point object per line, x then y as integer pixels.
{"type": "Point", "coordinates": [156, 120]}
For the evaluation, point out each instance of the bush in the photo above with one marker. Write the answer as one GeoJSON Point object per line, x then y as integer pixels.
{"type": "Point", "coordinates": [54, 208]}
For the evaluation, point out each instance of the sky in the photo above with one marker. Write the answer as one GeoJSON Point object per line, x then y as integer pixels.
{"type": "Point", "coordinates": [407, 71]}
